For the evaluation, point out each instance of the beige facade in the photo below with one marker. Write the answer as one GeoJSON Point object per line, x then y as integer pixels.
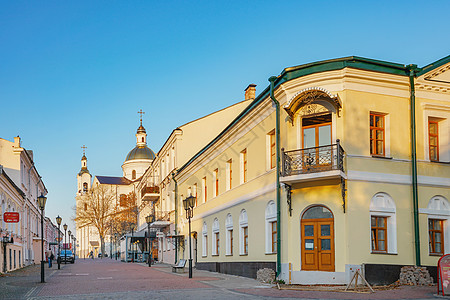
{"type": "Point", "coordinates": [347, 185]}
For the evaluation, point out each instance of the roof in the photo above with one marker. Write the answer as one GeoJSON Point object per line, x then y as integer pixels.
{"type": "Point", "coordinates": [113, 180]}
{"type": "Point", "coordinates": [434, 65]}
{"type": "Point", "coordinates": [311, 68]}
{"type": "Point", "coordinates": [140, 153]}
{"type": "Point", "coordinates": [2, 172]}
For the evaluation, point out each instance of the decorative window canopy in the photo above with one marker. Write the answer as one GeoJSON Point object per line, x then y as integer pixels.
{"type": "Point", "coordinates": [309, 96]}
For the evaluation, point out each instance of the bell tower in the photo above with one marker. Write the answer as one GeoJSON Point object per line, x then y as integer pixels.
{"type": "Point", "coordinates": [84, 178]}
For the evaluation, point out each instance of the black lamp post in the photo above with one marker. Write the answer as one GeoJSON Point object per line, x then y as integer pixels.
{"type": "Point", "coordinates": [41, 201]}
{"type": "Point", "coordinates": [65, 242]}
{"type": "Point", "coordinates": [189, 204]}
{"type": "Point", "coordinates": [115, 245]}
{"type": "Point", "coordinates": [131, 243]}
{"type": "Point", "coordinates": [58, 259]}
{"type": "Point", "coordinates": [150, 219]}
{"type": "Point", "coordinates": [69, 233]}
{"type": "Point", "coordinates": [74, 241]}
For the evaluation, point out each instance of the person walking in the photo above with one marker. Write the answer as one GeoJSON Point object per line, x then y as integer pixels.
{"type": "Point", "coordinates": [50, 257]}
{"type": "Point", "coordinates": [91, 254]}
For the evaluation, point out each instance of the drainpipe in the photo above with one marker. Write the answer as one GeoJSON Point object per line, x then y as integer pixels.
{"type": "Point", "coordinates": [277, 137]}
{"type": "Point", "coordinates": [176, 215]}
{"type": "Point", "coordinates": [412, 70]}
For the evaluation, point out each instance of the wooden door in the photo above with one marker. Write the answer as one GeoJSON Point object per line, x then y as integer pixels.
{"type": "Point", "coordinates": [317, 245]}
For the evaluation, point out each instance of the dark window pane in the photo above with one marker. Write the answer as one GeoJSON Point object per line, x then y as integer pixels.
{"type": "Point", "coordinates": [309, 230]}
{"type": "Point", "coordinates": [318, 212]}
{"type": "Point", "coordinates": [325, 244]}
{"type": "Point", "coordinates": [325, 230]}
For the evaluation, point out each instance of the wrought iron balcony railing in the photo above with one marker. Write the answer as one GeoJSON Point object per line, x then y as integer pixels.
{"type": "Point", "coordinates": [150, 193]}
{"type": "Point", "coordinates": [313, 160]}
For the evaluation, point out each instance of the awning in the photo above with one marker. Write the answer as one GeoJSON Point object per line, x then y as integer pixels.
{"type": "Point", "coordinates": [94, 243]}
{"type": "Point", "coordinates": [160, 224]}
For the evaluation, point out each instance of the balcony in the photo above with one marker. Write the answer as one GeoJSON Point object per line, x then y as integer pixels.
{"type": "Point", "coordinates": [150, 193]}
{"type": "Point", "coordinates": [310, 164]}
{"type": "Point", "coordinates": [162, 219]}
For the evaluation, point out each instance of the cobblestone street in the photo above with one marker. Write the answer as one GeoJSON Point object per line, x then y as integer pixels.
{"type": "Point", "coordinates": [110, 279]}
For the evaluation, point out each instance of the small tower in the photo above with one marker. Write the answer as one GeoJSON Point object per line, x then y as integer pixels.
{"type": "Point", "coordinates": [84, 178]}
{"type": "Point", "coordinates": [141, 134]}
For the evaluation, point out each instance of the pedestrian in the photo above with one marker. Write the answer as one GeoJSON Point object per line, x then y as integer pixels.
{"type": "Point", "coordinates": [91, 254]}
{"type": "Point", "coordinates": [50, 257]}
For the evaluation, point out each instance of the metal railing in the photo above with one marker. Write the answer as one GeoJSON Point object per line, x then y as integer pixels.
{"type": "Point", "coordinates": [162, 215]}
{"type": "Point", "coordinates": [313, 160]}
{"type": "Point", "coordinates": [149, 190]}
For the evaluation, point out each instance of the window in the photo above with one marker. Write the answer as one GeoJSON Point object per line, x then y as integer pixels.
{"type": "Point", "coordinates": [216, 182]}
{"type": "Point", "coordinates": [243, 232]}
{"type": "Point", "coordinates": [133, 174]}
{"type": "Point", "coordinates": [85, 187]}
{"type": "Point", "coordinates": [271, 228]}
{"type": "Point", "coordinates": [194, 193]}
{"type": "Point", "coordinates": [215, 230]}
{"type": "Point", "coordinates": [383, 224]}
{"type": "Point", "coordinates": [205, 190]}
{"type": "Point", "coordinates": [377, 136]}
{"type": "Point", "coordinates": [436, 236]}
{"type": "Point", "coordinates": [204, 240]}
{"type": "Point", "coordinates": [433, 140]}
{"type": "Point", "coordinates": [272, 149]}
{"type": "Point", "coordinates": [229, 174]}
{"type": "Point", "coordinates": [229, 240]}
{"type": "Point", "coordinates": [243, 158]}
{"type": "Point", "coordinates": [379, 236]}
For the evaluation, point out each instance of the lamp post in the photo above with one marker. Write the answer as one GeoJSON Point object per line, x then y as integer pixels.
{"type": "Point", "coordinates": [69, 233]}
{"type": "Point", "coordinates": [150, 219]}
{"type": "Point", "coordinates": [189, 204]}
{"type": "Point", "coordinates": [131, 243]}
{"type": "Point", "coordinates": [74, 240]}
{"type": "Point", "coordinates": [41, 201]}
{"type": "Point", "coordinates": [65, 253]}
{"type": "Point", "coordinates": [115, 245]}
{"type": "Point", "coordinates": [58, 258]}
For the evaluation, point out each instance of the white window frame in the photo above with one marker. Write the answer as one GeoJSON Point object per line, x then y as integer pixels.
{"type": "Point", "coordinates": [215, 230]}
{"type": "Point", "coordinates": [241, 165]}
{"type": "Point", "coordinates": [204, 240]}
{"type": "Point", "coordinates": [439, 209]}
{"type": "Point", "coordinates": [204, 187]}
{"type": "Point", "coordinates": [387, 132]}
{"type": "Point", "coordinates": [229, 231]}
{"type": "Point", "coordinates": [271, 216]}
{"type": "Point", "coordinates": [229, 166]}
{"type": "Point", "coordinates": [443, 132]}
{"type": "Point", "coordinates": [382, 205]}
{"type": "Point", "coordinates": [243, 222]}
{"type": "Point", "coordinates": [268, 150]}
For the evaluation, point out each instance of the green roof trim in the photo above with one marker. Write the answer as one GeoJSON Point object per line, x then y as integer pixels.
{"type": "Point", "coordinates": [434, 65]}
{"type": "Point", "coordinates": [291, 73]}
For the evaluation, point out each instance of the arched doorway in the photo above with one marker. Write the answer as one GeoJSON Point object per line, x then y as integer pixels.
{"type": "Point", "coordinates": [317, 230]}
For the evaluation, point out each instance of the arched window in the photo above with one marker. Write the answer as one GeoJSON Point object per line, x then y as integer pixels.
{"type": "Point", "coordinates": [438, 211]}
{"type": "Point", "coordinates": [383, 224]}
{"type": "Point", "coordinates": [85, 187]}
{"type": "Point", "coordinates": [271, 227]}
{"type": "Point", "coordinates": [133, 174]}
{"type": "Point", "coordinates": [216, 237]}
{"type": "Point", "coordinates": [229, 228]}
{"type": "Point", "coordinates": [243, 233]}
{"type": "Point", "coordinates": [204, 240]}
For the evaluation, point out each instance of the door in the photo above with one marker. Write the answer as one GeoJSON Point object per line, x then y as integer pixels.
{"type": "Point", "coordinates": [317, 236]}
{"type": "Point", "coordinates": [316, 133]}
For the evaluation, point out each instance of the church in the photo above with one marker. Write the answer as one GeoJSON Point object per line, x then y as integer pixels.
{"type": "Point", "coordinates": [121, 191]}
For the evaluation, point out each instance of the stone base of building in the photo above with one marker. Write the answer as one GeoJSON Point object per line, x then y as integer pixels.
{"type": "Point", "coordinates": [379, 274]}
{"type": "Point", "coordinates": [245, 269]}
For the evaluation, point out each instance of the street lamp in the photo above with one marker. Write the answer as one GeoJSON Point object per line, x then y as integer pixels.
{"type": "Point", "coordinates": [149, 219]}
{"type": "Point", "coordinates": [115, 245]}
{"type": "Point", "coordinates": [74, 240]}
{"type": "Point", "coordinates": [58, 221]}
{"type": "Point", "coordinates": [65, 243]}
{"type": "Point", "coordinates": [41, 201]}
{"type": "Point", "coordinates": [69, 233]}
{"type": "Point", "coordinates": [189, 204]}
{"type": "Point", "coordinates": [131, 243]}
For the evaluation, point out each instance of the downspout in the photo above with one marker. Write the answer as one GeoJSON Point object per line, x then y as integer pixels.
{"type": "Point", "coordinates": [277, 138]}
{"type": "Point", "coordinates": [412, 70]}
{"type": "Point", "coordinates": [176, 216]}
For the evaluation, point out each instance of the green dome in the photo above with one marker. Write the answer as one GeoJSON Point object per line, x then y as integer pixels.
{"type": "Point", "coordinates": [140, 153]}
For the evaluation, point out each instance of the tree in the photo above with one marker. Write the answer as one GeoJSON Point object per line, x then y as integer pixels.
{"type": "Point", "coordinates": [96, 209]}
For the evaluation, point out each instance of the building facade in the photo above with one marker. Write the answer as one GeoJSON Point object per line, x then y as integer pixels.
{"type": "Point", "coordinates": [336, 166]}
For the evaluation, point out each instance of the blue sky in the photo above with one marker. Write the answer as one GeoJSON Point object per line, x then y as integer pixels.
{"type": "Point", "coordinates": [74, 73]}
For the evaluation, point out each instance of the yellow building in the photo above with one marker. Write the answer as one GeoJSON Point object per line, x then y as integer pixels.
{"type": "Point", "coordinates": [364, 176]}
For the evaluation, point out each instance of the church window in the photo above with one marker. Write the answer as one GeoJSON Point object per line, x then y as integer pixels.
{"type": "Point", "coordinates": [143, 139]}
{"type": "Point", "coordinates": [133, 174]}
{"type": "Point", "coordinates": [85, 187]}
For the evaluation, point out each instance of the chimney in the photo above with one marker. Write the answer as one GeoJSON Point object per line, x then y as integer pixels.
{"type": "Point", "coordinates": [17, 141]}
{"type": "Point", "coordinates": [250, 91]}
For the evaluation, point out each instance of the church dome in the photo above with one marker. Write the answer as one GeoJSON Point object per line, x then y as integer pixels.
{"type": "Point", "coordinates": [141, 153]}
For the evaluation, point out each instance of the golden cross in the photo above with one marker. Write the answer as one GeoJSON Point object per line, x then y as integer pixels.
{"type": "Point", "coordinates": [141, 113]}
{"type": "Point", "coordinates": [84, 149]}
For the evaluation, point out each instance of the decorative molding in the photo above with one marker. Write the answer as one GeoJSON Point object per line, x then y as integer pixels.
{"type": "Point", "coordinates": [398, 179]}
{"type": "Point", "coordinates": [437, 72]}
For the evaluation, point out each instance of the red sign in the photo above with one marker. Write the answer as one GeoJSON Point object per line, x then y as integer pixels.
{"type": "Point", "coordinates": [444, 275]}
{"type": "Point", "coordinates": [11, 217]}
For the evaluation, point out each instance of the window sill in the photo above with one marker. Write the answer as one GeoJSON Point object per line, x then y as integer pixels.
{"type": "Point", "coordinates": [436, 254]}
{"type": "Point", "coordinates": [228, 254]}
{"type": "Point", "coordinates": [380, 156]}
{"type": "Point", "coordinates": [203, 256]}
{"type": "Point", "coordinates": [243, 254]}
{"type": "Point", "coordinates": [386, 253]}
{"type": "Point", "coordinates": [440, 162]}
{"type": "Point", "coordinates": [214, 254]}
{"type": "Point", "coordinates": [271, 253]}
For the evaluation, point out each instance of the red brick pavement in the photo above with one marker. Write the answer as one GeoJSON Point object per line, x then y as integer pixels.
{"type": "Point", "coordinates": [107, 276]}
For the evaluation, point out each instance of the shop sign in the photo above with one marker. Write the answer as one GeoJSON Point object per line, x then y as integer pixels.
{"type": "Point", "coordinates": [11, 217]}
{"type": "Point", "coordinates": [444, 275]}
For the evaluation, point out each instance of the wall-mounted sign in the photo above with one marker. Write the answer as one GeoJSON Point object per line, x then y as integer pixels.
{"type": "Point", "coordinates": [11, 217]}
